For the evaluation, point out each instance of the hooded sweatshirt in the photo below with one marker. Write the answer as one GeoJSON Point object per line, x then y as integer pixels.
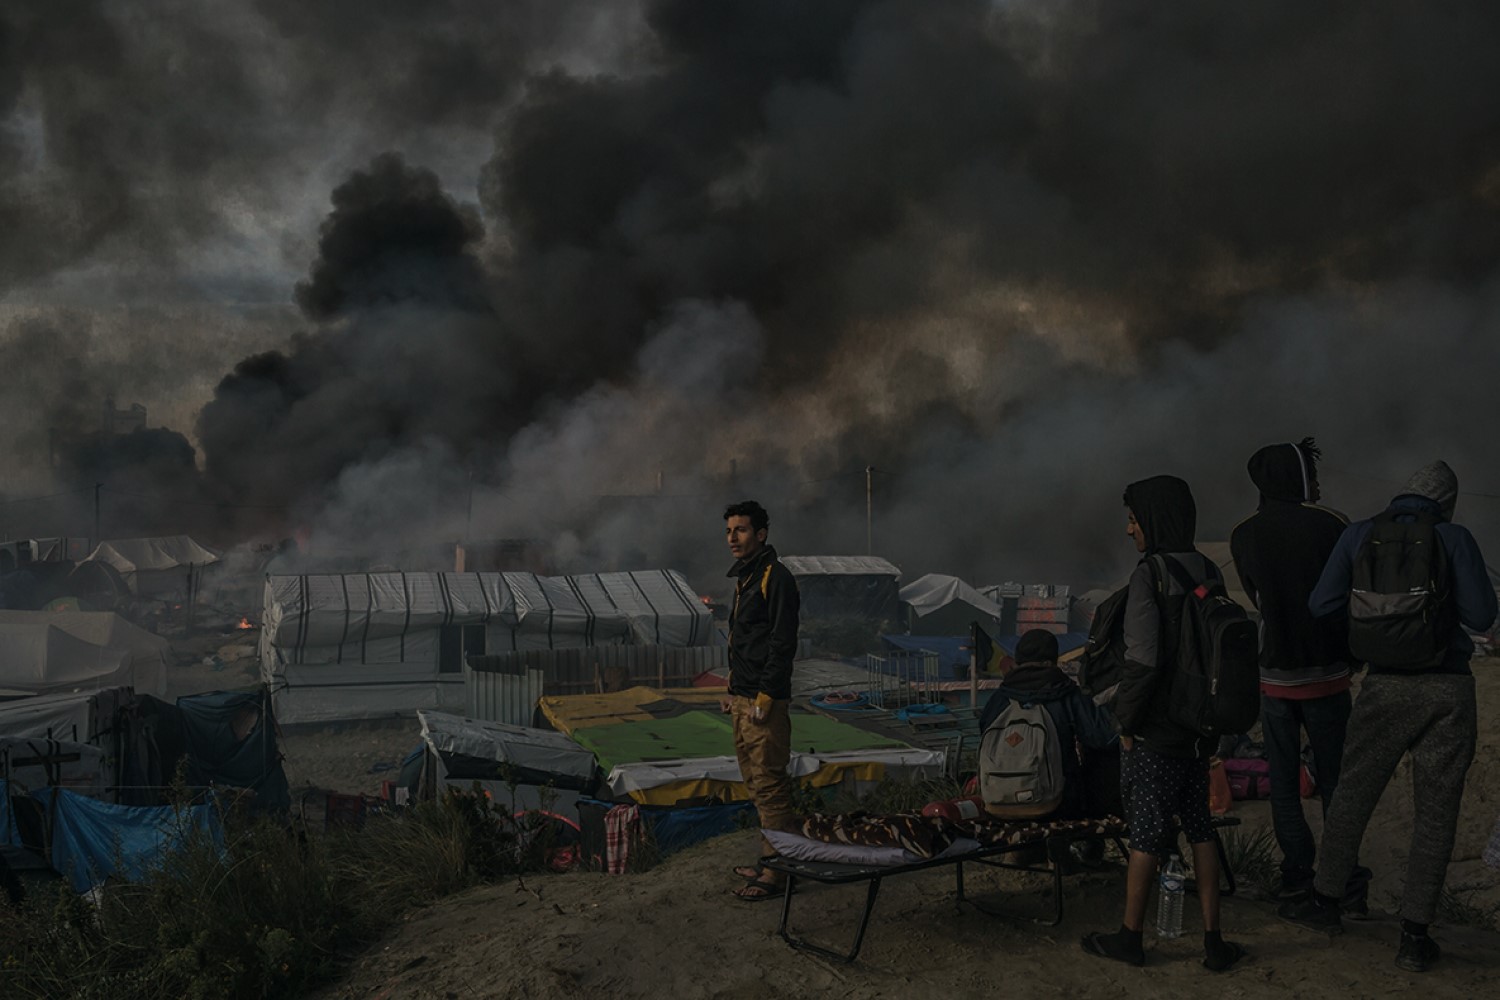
{"type": "Point", "coordinates": [1432, 490]}
{"type": "Point", "coordinates": [1280, 552]}
{"type": "Point", "coordinates": [762, 626]}
{"type": "Point", "coordinates": [1074, 714]}
{"type": "Point", "coordinates": [1163, 507]}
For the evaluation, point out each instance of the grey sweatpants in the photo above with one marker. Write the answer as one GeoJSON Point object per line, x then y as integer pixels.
{"type": "Point", "coordinates": [1431, 716]}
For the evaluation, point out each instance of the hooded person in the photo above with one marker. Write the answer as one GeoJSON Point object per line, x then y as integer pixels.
{"type": "Point", "coordinates": [1164, 765]}
{"type": "Point", "coordinates": [1036, 679]}
{"type": "Point", "coordinates": [1424, 707]}
{"type": "Point", "coordinates": [1279, 553]}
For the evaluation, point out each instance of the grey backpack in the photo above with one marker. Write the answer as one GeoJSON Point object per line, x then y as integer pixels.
{"type": "Point", "coordinates": [1021, 763]}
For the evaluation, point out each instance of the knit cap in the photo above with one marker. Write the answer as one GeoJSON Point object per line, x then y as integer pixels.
{"type": "Point", "coordinates": [1436, 482]}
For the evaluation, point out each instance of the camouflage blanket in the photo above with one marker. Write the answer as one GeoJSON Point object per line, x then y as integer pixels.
{"type": "Point", "coordinates": [929, 836]}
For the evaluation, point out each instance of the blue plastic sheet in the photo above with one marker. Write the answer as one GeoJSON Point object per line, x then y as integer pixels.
{"type": "Point", "coordinates": [676, 827]}
{"type": "Point", "coordinates": [92, 840]}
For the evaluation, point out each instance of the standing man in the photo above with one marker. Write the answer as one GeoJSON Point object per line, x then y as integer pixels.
{"type": "Point", "coordinates": [762, 644]}
{"type": "Point", "coordinates": [1163, 765]}
{"type": "Point", "coordinates": [1280, 552]}
{"type": "Point", "coordinates": [1418, 697]}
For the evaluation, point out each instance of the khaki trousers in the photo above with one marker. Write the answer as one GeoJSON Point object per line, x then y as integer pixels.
{"type": "Point", "coordinates": [764, 747]}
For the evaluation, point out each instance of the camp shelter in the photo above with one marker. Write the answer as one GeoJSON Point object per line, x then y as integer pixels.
{"type": "Point", "coordinates": [228, 739]}
{"type": "Point", "coordinates": [946, 605]}
{"type": "Point", "coordinates": [40, 658]}
{"type": "Point", "coordinates": [864, 587]}
{"type": "Point", "coordinates": [672, 746]}
{"type": "Point", "coordinates": [371, 644]}
{"type": "Point", "coordinates": [517, 765]}
{"type": "Point", "coordinates": [147, 666]}
{"type": "Point", "coordinates": [28, 763]}
{"type": "Point", "coordinates": [80, 716]}
{"type": "Point", "coordinates": [151, 566]}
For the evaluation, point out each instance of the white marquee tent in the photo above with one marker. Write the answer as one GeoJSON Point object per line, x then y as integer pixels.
{"type": "Point", "coordinates": [155, 565]}
{"type": "Point", "coordinates": [365, 645]}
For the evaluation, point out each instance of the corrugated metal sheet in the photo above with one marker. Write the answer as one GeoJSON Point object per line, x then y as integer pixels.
{"type": "Point", "coordinates": [582, 671]}
{"type": "Point", "coordinates": [503, 697]}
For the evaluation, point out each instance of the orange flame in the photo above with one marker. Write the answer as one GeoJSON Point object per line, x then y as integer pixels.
{"type": "Point", "coordinates": [245, 623]}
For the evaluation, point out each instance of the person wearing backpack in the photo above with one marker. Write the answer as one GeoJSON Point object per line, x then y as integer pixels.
{"type": "Point", "coordinates": [1407, 579]}
{"type": "Point", "coordinates": [1164, 762]}
{"type": "Point", "coordinates": [1014, 781]}
{"type": "Point", "coordinates": [1279, 553]}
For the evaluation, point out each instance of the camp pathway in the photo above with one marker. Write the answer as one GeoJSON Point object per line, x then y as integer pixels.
{"type": "Point", "coordinates": [676, 932]}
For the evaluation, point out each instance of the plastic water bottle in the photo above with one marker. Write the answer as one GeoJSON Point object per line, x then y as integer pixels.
{"type": "Point", "coordinates": [1169, 901]}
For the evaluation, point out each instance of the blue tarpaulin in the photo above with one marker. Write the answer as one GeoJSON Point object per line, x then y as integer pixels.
{"type": "Point", "coordinates": [92, 840]}
{"type": "Point", "coordinates": [953, 650]}
{"type": "Point", "coordinates": [675, 828]}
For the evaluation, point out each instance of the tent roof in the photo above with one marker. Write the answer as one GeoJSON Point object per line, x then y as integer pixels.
{"type": "Point", "coordinates": [130, 555]}
{"type": "Point", "coordinates": [840, 566]}
{"type": "Point", "coordinates": [38, 659]}
{"type": "Point", "coordinates": [654, 606]}
{"type": "Point", "coordinates": [934, 591]}
{"type": "Point", "coordinates": [535, 749]}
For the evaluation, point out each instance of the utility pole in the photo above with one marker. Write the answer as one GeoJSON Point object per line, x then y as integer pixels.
{"type": "Point", "coordinates": [97, 537]}
{"type": "Point", "coordinates": [869, 510]}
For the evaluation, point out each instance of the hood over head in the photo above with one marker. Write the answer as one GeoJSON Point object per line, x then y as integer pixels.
{"type": "Point", "coordinates": [1283, 471]}
{"type": "Point", "coordinates": [1163, 506]}
{"type": "Point", "coordinates": [1435, 481]}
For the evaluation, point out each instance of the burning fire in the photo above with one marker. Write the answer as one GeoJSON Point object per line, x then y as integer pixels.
{"type": "Point", "coordinates": [244, 623]}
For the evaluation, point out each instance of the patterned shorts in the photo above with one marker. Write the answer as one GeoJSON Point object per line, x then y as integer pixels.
{"type": "Point", "coordinates": [1160, 794]}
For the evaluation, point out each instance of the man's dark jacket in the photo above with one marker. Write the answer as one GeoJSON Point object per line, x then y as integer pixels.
{"type": "Point", "coordinates": [1280, 552]}
{"type": "Point", "coordinates": [762, 626]}
{"type": "Point", "coordinates": [1163, 506]}
{"type": "Point", "coordinates": [1074, 715]}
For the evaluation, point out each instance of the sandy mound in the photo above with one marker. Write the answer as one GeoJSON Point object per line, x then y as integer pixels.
{"type": "Point", "coordinates": [675, 931]}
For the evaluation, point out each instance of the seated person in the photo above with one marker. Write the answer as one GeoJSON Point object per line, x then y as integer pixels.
{"type": "Point", "coordinates": [1085, 731]}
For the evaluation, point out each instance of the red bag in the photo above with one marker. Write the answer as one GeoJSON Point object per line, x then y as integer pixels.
{"type": "Point", "coordinates": [1249, 777]}
{"type": "Point", "coordinates": [1306, 784]}
{"type": "Point", "coordinates": [1219, 796]}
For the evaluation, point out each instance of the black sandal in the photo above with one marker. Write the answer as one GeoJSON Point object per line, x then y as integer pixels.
{"type": "Point", "coordinates": [759, 890]}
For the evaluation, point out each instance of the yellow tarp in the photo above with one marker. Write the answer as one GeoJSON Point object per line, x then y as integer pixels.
{"type": "Point", "coordinates": [568, 712]}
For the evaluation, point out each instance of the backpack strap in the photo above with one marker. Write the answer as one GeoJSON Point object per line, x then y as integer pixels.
{"type": "Point", "coordinates": [1179, 573]}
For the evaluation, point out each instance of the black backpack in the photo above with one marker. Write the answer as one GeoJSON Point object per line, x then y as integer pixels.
{"type": "Point", "coordinates": [1214, 688]}
{"type": "Point", "coordinates": [1401, 616]}
{"type": "Point", "coordinates": [1103, 661]}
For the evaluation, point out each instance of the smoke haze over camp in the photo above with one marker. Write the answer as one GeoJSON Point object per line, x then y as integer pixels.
{"type": "Point", "coordinates": [604, 267]}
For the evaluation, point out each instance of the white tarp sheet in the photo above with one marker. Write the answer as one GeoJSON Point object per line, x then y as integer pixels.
{"type": "Point", "coordinates": [43, 659]}
{"type": "Point", "coordinates": [840, 566]}
{"type": "Point", "coordinates": [148, 652]}
{"type": "Point", "coordinates": [903, 764]}
{"type": "Point", "coordinates": [536, 749]}
{"type": "Point", "coordinates": [367, 645]}
{"type": "Point", "coordinates": [936, 591]}
{"type": "Point", "coordinates": [81, 716]}
{"type": "Point", "coordinates": [23, 762]}
{"type": "Point", "coordinates": [154, 565]}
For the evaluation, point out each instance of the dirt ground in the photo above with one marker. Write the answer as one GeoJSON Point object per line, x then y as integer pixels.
{"type": "Point", "coordinates": [676, 932]}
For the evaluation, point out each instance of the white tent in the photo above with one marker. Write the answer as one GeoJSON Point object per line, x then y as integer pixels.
{"type": "Point", "coordinates": [155, 565]}
{"type": "Point", "coordinates": [945, 605]}
{"type": "Point", "coordinates": [366, 645]}
{"type": "Point", "coordinates": [81, 716]}
{"type": "Point", "coordinates": [51, 653]}
{"type": "Point", "coordinates": [147, 664]}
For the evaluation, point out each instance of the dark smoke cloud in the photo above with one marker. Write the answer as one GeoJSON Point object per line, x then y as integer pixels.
{"type": "Point", "coordinates": [410, 349]}
{"type": "Point", "coordinates": [1012, 254]}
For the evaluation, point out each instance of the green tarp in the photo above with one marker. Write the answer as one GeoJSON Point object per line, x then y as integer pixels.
{"type": "Point", "coordinates": [709, 734]}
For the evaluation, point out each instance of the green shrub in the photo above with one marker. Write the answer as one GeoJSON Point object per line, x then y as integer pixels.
{"type": "Point", "coordinates": [269, 914]}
